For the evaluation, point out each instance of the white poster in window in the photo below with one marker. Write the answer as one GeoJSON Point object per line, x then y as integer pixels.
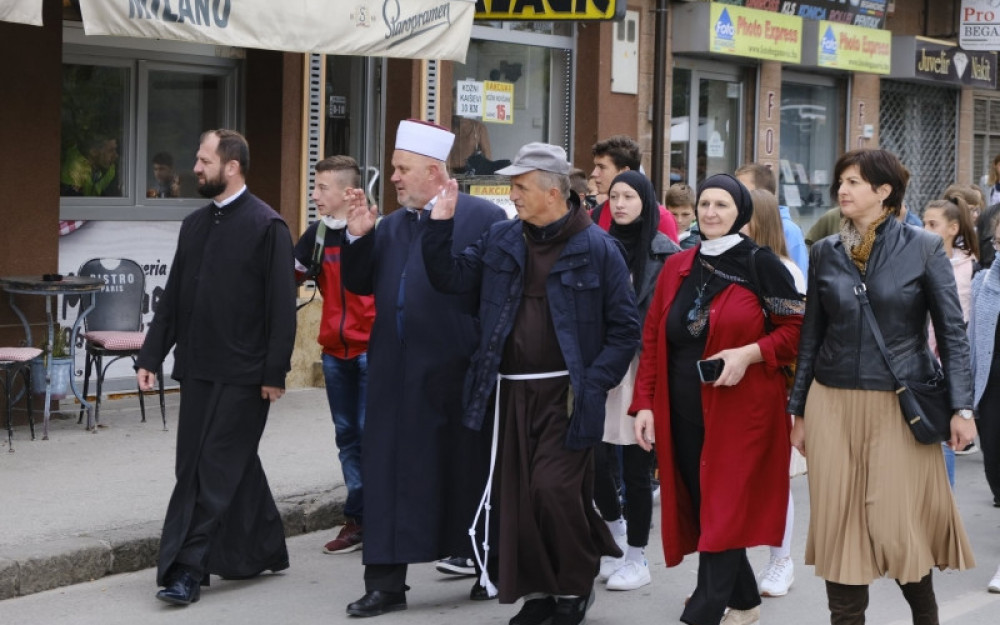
{"type": "Point", "coordinates": [792, 197]}
{"type": "Point", "coordinates": [820, 177]}
{"type": "Point", "coordinates": [469, 98]}
{"type": "Point", "coordinates": [716, 146]}
{"type": "Point", "coordinates": [499, 194]}
{"type": "Point", "coordinates": [498, 102]}
{"type": "Point", "coordinates": [801, 171]}
{"type": "Point", "coordinates": [979, 25]}
{"type": "Point", "coordinates": [786, 171]}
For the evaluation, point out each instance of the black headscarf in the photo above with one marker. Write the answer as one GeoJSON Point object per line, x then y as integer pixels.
{"type": "Point", "coordinates": [772, 281]}
{"type": "Point", "coordinates": [739, 193]}
{"type": "Point", "coordinates": [637, 237]}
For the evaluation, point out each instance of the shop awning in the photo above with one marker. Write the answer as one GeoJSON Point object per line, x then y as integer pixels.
{"type": "Point", "coordinates": [21, 11]}
{"type": "Point", "coordinates": [428, 29]}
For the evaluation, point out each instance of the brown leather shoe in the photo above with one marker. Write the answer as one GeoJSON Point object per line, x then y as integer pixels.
{"type": "Point", "coordinates": [348, 540]}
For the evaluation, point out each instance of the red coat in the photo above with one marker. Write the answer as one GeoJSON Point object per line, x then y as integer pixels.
{"type": "Point", "coordinates": [744, 468]}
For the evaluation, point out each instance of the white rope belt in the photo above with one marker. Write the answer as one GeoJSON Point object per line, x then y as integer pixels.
{"type": "Point", "coordinates": [484, 502]}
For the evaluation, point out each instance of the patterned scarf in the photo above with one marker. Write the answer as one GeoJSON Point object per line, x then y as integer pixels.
{"type": "Point", "coordinates": [859, 246]}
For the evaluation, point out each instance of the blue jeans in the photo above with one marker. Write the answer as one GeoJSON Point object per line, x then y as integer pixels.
{"type": "Point", "coordinates": [346, 381]}
{"type": "Point", "coordinates": [949, 463]}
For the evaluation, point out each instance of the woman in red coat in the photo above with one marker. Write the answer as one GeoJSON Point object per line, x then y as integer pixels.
{"type": "Point", "coordinates": [724, 451]}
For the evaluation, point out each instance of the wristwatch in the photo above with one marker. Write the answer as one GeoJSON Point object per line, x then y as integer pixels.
{"type": "Point", "coordinates": [965, 413]}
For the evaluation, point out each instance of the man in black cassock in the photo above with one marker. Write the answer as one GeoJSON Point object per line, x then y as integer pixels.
{"type": "Point", "coordinates": [422, 470]}
{"type": "Point", "coordinates": [229, 308]}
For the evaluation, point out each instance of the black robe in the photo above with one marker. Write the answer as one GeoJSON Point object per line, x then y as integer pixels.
{"type": "Point", "coordinates": [423, 471]}
{"type": "Point", "coordinates": [229, 308]}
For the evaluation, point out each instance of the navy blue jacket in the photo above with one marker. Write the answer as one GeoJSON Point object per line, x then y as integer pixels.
{"type": "Point", "coordinates": [590, 298]}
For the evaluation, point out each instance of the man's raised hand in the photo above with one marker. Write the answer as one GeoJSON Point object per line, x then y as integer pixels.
{"type": "Point", "coordinates": [360, 216]}
{"type": "Point", "coordinates": [444, 207]}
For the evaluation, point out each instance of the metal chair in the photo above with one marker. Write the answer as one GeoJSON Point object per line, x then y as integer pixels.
{"type": "Point", "coordinates": [14, 361]}
{"type": "Point", "coordinates": [114, 328]}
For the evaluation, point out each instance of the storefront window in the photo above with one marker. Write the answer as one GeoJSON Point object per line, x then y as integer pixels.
{"type": "Point", "coordinates": [130, 129]}
{"type": "Point", "coordinates": [182, 105]}
{"type": "Point", "coordinates": [809, 147]}
{"type": "Point", "coordinates": [513, 89]}
{"type": "Point", "coordinates": [94, 104]}
{"type": "Point", "coordinates": [710, 146]}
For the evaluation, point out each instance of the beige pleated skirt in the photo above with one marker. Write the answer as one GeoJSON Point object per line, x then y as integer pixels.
{"type": "Point", "coordinates": [880, 504]}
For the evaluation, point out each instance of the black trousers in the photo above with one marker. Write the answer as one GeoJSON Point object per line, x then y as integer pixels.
{"type": "Point", "coordinates": [725, 578]}
{"type": "Point", "coordinates": [988, 425]}
{"type": "Point", "coordinates": [385, 577]}
{"type": "Point", "coordinates": [637, 465]}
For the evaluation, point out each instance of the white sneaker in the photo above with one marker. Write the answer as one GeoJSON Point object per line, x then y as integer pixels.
{"type": "Point", "coordinates": [994, 585]}
{"type": "Point", "coordinates": [630, 576]}
{"type": "Point", "coordinates": [777, 578]}
{"type": "Point", "coordinates": [741, 617]}
{"type": "Point", "coordinates": [608, 567]}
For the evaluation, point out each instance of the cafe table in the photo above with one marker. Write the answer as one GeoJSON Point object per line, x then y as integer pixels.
{"type": "Point", "coordinates": [50, 287]}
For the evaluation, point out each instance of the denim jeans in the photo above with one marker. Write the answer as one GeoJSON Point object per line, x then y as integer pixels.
{"type": "Point", "coordinates": [949, 463]}
{"type": "Point", "coordinates": [346, 381]}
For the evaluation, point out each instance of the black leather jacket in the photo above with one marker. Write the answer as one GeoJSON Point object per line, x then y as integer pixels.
{"type": "Point", "coordinates": [908, 276]}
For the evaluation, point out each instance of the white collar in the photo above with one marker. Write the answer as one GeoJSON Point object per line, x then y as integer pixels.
{"type": "Point", "coordinates": [232, 198]}
{"type": "Point", "coordinates": [715, 247]}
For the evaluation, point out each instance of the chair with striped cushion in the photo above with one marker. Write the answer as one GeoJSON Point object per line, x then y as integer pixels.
{"type": "Point", "coordinates": [16, 361]}
{"type": "Point", "coordinates": [113, 329]}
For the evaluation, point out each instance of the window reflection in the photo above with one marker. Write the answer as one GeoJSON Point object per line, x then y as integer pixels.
{"type": "Point", "coordinates": [93, 129]}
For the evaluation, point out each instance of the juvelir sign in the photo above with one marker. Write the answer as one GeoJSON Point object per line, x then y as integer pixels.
{"type": "Point", "coordinates": [550, 10]}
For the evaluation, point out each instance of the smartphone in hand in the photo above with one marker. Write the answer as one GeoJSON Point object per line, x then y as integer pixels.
{"type": "Point", "coordinates": [710, 370]}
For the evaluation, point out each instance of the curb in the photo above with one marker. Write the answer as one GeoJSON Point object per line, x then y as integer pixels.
{"type": "Point", "coordinates": [30, 568]}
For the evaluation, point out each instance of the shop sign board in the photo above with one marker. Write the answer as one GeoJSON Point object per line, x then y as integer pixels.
{"type": "Point", "coordinates": [757, 34]}
{"type": "Point", "coordinates": [854, 48]}
{"type": "Point", "coordinates": [945, 62]}
{"type": "Point", "coordinates": [866, 13]}
{"type": "Point", "coordinates": [417, 29]}
{"type": "Point", "coordinates": [21, 11]}
{"type": "Point", "coordinates": [498, 102]}
{"type": "Point", "coordinates": [499, 194]}
{"type": "Point", "coordinates": [979, 25]}
{"type": "Point", "coordinates": [469, 98]}
{"type": "Point", "coordinates": [550, 10]}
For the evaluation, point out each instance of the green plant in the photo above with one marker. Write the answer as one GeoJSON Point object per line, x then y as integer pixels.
{"type": "Point", "coordinates": [60, 343]}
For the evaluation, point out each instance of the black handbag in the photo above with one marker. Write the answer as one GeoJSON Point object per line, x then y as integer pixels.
{"type": "Point", "coordinates": [926, 405]}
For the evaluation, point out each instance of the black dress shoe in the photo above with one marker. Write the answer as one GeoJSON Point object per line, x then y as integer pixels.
{"type": "Point", "coordinates": [573, 610]}
{"type": "Point", "coordinates": [479, 592]}
{"type": "Point", "coordinates": [181, 590]}
{"type": "Point", "coordinates": [535, 612]}
{"type": "Point", "coordinates": [377, 602]}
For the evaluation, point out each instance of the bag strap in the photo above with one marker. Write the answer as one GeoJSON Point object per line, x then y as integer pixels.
{"type": "Point", "coordinates": [319, 244]}
{"type": "Point", "coordinates": [861, 291]}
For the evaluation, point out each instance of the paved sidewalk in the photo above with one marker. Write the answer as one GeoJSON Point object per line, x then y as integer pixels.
{"type": "Point", "coordinates": [82, 505]}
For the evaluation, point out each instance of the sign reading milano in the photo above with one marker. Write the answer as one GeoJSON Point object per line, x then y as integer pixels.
{"type": "Point", "coordinates": [867, 13]}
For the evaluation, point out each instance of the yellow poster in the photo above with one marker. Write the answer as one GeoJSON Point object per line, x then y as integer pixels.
{"type": "Point", "coordinates": [498, 102]}
{"type": "Point", "coordinates": [546, 10]}
{"type": "Point", "coordinates": [757, 34]}
{"type": "Point", "coordinates": [854, 48]}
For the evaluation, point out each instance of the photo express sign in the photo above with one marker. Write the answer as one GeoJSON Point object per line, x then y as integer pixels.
{"type": "Point", "coordinates": [757, 34]}
{"type": "Point", "coordinates": [549, 10]}
{"type": "Point", "coordinates": [426, 29]}
{"type": "Point", "coordinates": [866, 13]}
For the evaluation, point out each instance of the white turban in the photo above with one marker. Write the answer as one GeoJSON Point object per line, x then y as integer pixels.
{"type": "Point", "coordinates": [424, 138]}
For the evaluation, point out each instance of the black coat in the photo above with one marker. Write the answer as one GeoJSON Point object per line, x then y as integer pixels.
{"type": "Point", "coordinates": [422, 470]}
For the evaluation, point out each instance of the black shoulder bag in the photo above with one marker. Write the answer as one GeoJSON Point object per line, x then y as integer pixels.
{"type": "Point", "coordinates": [926, 406]}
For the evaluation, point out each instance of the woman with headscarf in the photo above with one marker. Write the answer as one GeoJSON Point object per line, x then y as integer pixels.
{"type": "Point", "coordinates": [635, 216]}
{"type": "Point", "coordinates": [880, 504]}
{"type": "Point", "coordinates": [722, 445]}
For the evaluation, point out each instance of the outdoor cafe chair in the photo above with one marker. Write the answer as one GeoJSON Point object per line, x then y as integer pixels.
{"type": "Point", "coordinates": [16, 361]}
{"type": "Point", "coordinates": [114, 328]}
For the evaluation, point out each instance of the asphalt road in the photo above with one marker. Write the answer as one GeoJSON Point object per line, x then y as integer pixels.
{"type": "Point", "coordinates": [317, 588]}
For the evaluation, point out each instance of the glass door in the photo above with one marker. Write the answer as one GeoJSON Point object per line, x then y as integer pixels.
{"type": "Point", "coordinates": [353, 111]}
{"type": "Point", "coordinates": [711, 145]}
